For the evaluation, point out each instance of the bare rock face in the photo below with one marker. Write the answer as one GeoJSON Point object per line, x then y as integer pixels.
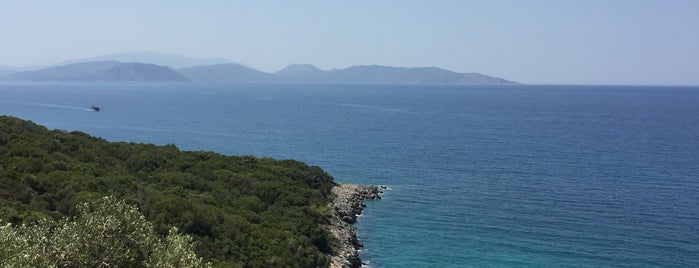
{"type": "Point", "coordinates": [346, 205]}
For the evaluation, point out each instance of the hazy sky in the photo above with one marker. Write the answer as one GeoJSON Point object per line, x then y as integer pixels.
{"type": "Point", "coordinates": [550, 42]}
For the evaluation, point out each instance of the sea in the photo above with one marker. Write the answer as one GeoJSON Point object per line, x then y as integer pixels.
{"type": "Point", "coordinates": [476, 176]}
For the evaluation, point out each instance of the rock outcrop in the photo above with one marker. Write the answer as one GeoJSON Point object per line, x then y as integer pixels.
{"type": "Point", "coordinates": [346, 205]}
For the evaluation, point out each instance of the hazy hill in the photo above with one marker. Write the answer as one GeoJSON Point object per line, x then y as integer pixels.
{"type": "Point", "coordinates": [100, 71]}
{"type": "Point", "coordinates": [6, 69]}
{"type": "Point", "coordinates": [4, 72]}
{"type": "Point", "coordinates": [299, 70]}
{"type": "Point", "coordinates": [229, 72]}
{"type": "Point", "coordinates": [170, 60]}
{"type": "Point", "coordinates": [369, 74]}
{"type": "Point", "coordinates": [375, 74]}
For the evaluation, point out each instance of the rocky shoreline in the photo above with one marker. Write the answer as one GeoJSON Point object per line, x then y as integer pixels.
{"type": "Point", "coordinates": [346, 206]}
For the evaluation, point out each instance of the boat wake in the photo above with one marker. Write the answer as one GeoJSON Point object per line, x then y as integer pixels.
{"type": "Point", "coordinates": [51, 105]}
{"type": "Point", "coordinates": [343, 104]}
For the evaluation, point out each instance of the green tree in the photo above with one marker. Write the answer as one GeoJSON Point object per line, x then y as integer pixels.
{"type": "Point", "coordinates": [106, 233]}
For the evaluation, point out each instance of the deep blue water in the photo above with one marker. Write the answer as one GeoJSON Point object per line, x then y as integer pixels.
{"type": "Point", "coordinates": [526, 176]}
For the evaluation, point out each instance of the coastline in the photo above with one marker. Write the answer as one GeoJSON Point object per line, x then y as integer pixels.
{"type": "Point", "coordinates": [346, 206]}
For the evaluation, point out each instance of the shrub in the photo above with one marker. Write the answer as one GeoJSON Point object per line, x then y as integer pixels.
{"type": "Point", "coordinates": [106, 233]}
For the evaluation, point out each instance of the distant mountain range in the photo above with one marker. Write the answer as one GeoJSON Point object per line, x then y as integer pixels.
{"type": "Point", "coordinates": [366, 74]}
{"type": "Point", "coordinates": [150, 66]}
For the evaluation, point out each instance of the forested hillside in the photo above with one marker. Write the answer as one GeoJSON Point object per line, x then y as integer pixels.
{"type": "Point", "coordinates": [242, 211]}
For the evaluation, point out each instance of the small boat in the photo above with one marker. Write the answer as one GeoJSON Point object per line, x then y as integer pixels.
{"type": "Point", "coordinates": [95, 108]}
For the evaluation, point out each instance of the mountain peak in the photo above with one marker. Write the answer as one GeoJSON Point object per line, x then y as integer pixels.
{"type": "Point", "coordinates": [299, 70]}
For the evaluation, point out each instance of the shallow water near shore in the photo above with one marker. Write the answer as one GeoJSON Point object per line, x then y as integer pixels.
{"type": "Point", "coordinates": [526, 176]}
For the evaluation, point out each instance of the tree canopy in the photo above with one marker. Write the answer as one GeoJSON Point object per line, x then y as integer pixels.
{"type": "Point", "coordinates": [107, 232]}
{"type": "Point", "coordinates": [241, 211]}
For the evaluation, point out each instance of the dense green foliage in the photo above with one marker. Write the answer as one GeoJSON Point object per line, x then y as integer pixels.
{"type": "Point", "coordinates": [107, 232]}
{"type": "Point", "coordinates": [241, 211]}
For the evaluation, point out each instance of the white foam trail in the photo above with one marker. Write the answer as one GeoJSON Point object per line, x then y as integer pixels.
{"type": "Point", "coordinates": [361, 106]}
{"type": "Point", "coordinates": [344, 104]}
{"type": "Point", "coordinates": [50, 105]}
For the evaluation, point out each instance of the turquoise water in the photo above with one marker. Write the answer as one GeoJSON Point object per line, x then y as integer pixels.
{"type": "Point", "coordinates": [527, 176]}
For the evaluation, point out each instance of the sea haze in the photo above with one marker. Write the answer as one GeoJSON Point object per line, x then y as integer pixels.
{"type": "Point", "coordinates": [520, 176]}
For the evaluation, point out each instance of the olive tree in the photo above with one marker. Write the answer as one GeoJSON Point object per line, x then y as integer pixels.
{"type": "Point", "coordinates": [107, 232]}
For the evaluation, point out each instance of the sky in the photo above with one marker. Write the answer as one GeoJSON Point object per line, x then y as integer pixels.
{"type": "Point", "coordinates": [627, 42]}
